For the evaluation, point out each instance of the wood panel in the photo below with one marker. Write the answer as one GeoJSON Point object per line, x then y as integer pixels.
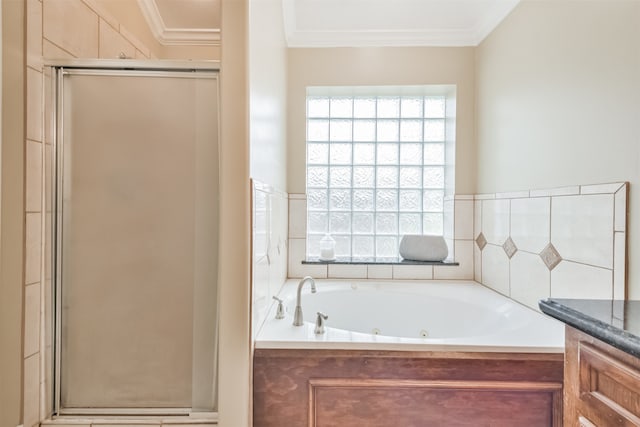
{"type": "Point", "coordinates": [320, 388]}
{"type": "Point", "coordinates": [373, 403]}
{"type": "Point", "coordinates": [602, 383]}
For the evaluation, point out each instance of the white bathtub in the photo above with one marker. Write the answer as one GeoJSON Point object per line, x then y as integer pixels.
{"type": "Point", "coordinates": [410, 315]}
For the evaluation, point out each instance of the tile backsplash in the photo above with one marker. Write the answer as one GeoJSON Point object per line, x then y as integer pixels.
{"type": "Point", "coordinates": [567, 242]}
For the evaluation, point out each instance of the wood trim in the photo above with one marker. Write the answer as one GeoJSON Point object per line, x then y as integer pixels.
{"type": "Point", "coordinates": [593, 359]}
{"type": "Point", "coordinates": [272, 353]}
{"type": "Point", "coordinates": [431, 384]}
{"type": "Point", "coordinates": [555, 388]}
{"type": "Point", "coordinates": [583, 422]}
{"type": "Point", "coordinates": [558, 409]}
{"type": "Point", "coordinates": [601, 383]}
{"type": "Point", "coordinates": [593, 363]}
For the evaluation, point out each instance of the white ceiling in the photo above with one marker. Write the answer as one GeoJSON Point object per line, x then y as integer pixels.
{"type": "Point", "coordinates": [338, 23]}
{"type": "Point", "coordinates": [344, 23]}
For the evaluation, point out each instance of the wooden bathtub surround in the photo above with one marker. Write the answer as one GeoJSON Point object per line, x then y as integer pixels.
{"type": "Point", "coordinates": [602, 383]}
{"type": "Point", "coordinates": [322, 388]}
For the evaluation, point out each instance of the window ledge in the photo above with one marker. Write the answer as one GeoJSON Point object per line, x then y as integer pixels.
{"type": "Point", "coordinates": [378, 261]}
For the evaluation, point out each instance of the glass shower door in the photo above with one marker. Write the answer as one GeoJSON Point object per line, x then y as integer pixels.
{"type": "Point", "coordinates": [137, 241]}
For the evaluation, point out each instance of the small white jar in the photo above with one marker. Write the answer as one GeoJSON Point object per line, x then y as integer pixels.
{"type": "Point", "coordinates": [327, 248]}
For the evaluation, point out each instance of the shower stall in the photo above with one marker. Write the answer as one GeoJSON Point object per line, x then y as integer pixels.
{"type": "Point", "coordinates": [135, 237]}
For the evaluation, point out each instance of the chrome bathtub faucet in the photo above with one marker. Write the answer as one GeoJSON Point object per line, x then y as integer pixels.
{"type": "Point", "coordinates": [320, 323]}
{"type": "Point", "coordinates": [280, 309]}
{"type": "Point", "coordinates": [297, 317]}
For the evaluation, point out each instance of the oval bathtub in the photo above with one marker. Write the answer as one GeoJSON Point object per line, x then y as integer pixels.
{"type": "Point", "coordinates": [411, 315]}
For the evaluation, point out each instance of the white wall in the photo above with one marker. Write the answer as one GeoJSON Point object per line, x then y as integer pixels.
{"type": "Point", "coordinates": [268, 153]}
{"type": "Point", "coordinates": [558, 84]}
{"type": "Point", "coordinates": [374, 67]}
{"type": "Point", "coordinates": [267, 92]}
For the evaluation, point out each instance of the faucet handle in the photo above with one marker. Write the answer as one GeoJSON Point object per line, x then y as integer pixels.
{"type": "Point", "coordinates": [320, 323]}
{"type": "Point", "coordinates": [280, 310]}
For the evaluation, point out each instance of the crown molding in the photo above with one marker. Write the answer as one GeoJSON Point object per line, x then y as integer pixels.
{"type": "Point", "coordinates": [437, 37]}
{"type": "Point", "coordinates": [176, 36]}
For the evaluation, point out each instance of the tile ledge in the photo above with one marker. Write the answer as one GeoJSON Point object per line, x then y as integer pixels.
{"type": "Point", "coordinates": [346, 261]}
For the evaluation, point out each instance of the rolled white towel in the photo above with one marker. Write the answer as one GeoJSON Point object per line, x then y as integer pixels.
{"type": "Point", "coordinates": [418, 247]}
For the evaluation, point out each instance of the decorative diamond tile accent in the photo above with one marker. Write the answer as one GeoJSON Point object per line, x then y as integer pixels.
{"type": "Point", "coordinates": [481, 241]}
{"type": "Point", "coordinates": [509, 247]}
{"type": "Point", "coordinates": [550, 256]}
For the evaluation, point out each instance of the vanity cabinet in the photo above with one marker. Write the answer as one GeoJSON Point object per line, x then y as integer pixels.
{"type": "Point", "coordinates": [601, 383]}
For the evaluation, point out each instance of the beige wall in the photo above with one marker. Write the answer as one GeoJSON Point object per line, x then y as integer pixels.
{"type": "Point", "coordinates": [81, 29]}
{"type": "Point", "coordinates": [268, 92]}
{"type": "Point", "coordinates": [11, 214]}
{"type": "Point", "coordinates": [128, 14]}
{"type": "Point", "coordinates": [381, 66]}
{"type": "Point", "coordinates": [234, 366]}
{"type": "Point", "coordinates": [109, 27]}
{"type": "Point", "coordinates": [558, 84]}
{"type": "Point", "coordinates": [191, 52]}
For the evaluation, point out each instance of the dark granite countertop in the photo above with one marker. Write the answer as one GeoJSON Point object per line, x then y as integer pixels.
{"type": "Point", "coordinates": [378, 260]}
{"type": "Point", "coordinates": [615, 322]}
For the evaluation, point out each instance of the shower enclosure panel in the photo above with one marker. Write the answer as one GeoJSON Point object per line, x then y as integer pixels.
{"type": "Point", "coordinates": [136, 241]}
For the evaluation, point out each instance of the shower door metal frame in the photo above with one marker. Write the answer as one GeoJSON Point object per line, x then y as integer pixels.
{"type": "Point", "coordinates": [60, 68]}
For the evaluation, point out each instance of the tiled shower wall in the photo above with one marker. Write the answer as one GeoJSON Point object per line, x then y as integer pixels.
{"type": "Point", "coordinates": [458, 234]}
{"type": "Point", "coordinates": [269, 222]}
{"type": "Point", "coordinates": [55, 29]}
{"type": "Point", "coordinates": [565, 242]}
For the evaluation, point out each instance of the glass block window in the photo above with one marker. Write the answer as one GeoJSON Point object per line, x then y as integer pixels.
{"type": "Point", "coordinates": [375, 171]}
